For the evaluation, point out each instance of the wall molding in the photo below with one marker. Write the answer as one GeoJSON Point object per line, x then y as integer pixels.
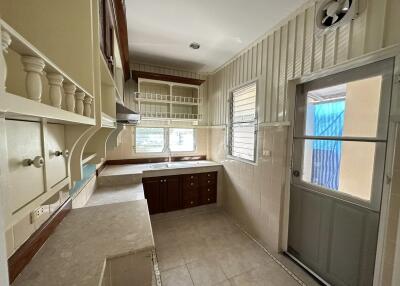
{"type": "Point", "coordinates": [18, 261]}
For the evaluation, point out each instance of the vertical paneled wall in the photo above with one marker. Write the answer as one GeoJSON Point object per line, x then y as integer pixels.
{"type": "Point", "coordinates": [295, 49]}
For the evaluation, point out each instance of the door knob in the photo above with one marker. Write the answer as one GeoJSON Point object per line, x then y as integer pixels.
{"type": "Point", "coordinates": [296, 173]}
{"type": "Point", "coordinates": [38, 162]}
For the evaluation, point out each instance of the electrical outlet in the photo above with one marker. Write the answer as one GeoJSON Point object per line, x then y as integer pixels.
{"type": "Point", "coordinates": [39, 212]}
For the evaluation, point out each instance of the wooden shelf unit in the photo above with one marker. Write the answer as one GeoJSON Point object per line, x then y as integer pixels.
{"type": "Point", "coordinates": [168, 100]}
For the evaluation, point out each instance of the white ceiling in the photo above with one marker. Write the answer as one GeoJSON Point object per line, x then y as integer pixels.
{"type": "Point", "coordinates": [160, 31]}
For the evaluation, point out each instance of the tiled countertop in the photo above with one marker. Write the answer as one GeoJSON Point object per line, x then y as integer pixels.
{"type": "Point", "coordinates": [76, 252]}
{"type": "Point", "coordinates": [116, 194]}
{"type": "Point", "coordinates": [160, 169]}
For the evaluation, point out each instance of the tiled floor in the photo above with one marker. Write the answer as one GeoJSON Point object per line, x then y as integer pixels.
{"type": "Point", "coordinates": [202, 247]}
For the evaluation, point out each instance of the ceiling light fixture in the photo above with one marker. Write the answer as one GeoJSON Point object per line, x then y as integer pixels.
{"type": "Point", "coordinates": [195, 46]}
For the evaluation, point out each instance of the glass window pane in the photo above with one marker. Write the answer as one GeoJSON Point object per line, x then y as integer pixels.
{"type": "Point", "coordinates": [243, 141]}
{"type": "Point", "coordinates": [181, 140]}
{"type": "Point", "coordinates": [242, 131]}
{"type": "Point", "coordinates": [149, 140]}
{"type": "Point", "coordinates": [349, 110]}
{"type": "Point", "coordinates": [341, 166]}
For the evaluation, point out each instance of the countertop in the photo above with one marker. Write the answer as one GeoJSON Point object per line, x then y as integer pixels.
{"type": "Point", "coordinates": [116, 194]}
{"type": "Point", "coordinates": [160, 169]}
{"type": "Point", "coordinates": [75, 254]}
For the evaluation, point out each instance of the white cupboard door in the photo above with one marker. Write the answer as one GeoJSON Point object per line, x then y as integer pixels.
{"type": "Point", "coordinates": [56, 165]}
{"type": "Point", "coordinates": [26, 178]}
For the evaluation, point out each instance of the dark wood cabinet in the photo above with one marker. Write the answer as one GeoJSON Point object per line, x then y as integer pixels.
{"type": "Point", "coordinates": [152, 194]}
{"type": "Point", "coordinates": [171, 193]}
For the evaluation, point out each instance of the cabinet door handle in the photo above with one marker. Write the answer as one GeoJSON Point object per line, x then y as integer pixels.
{"type": "Point", "coordinates": [60, 153]}
{"type": "Point", "coordinates": [191, 184]}
{"type": "Point", "coordinates": [191, 177]}
{"type": "Point", "coordinates": [208, 199]}
{"type": "Point", "coordinates": [208, 190]}
{"type": "Point", "coordinates": [191, 202]}
{"type": "Point", "coordinates": [37, 162]}
{"type": "Point", "coordinates": [209, 175]}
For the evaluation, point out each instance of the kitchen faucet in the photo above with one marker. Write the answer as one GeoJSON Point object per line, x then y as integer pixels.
{"type": "Point", "coordinates": [169, 154]}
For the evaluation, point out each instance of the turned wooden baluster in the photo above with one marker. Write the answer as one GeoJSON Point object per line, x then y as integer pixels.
{"type": "Point", "coordinates": [55, 93]}
{"type": "Point", "coordinates": [33, 67]}
{"type": "Point", "coordinates": [88, 106]}
{"type": "Point", "coordinates": [69, 93]}
{"type": "Point", "coordinates": [5, 43]}
{"type": "Point", "coordinates": [79, 96]}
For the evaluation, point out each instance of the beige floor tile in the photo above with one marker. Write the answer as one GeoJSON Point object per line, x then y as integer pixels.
{"type": "Point", "coordinates": [193, 251]}
{"type": "Point", "coordinates": [225, 283]}
{"type": "Point", "coordinates": [206, 272]}
{"type": "Point", "coordinates": [213, 251]}
{"type": "Point", "coordinates": [176, 277]}
{"type": "Point", "coordinates": [169, 258]}
{"type": "Point", "coordinates": [271, 275]}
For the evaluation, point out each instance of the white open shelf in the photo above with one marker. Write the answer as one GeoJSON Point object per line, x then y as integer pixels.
{"type": "Point", "coordinates": [19, 107]}
{"type": "Point", "coordinates": [169, 115]}
{"type": "Point", "coordinates": [164, 98]}
{"type": "Point", "coordinates": [168, 100]}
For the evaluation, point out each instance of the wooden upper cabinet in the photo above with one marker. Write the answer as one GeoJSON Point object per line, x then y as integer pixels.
{"type": "Point", "coordinates": [113, 24]}
{"type": "Point", "coordinates": [107, 33]}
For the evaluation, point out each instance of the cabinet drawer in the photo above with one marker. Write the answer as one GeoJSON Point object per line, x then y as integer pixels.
{"type": "Point", "coordinates": [190, 199]}
{"type": "Point", "coordinates": [208, 195]}
{"type": "Point", "coordinates": [208, 179]}
{"type": "Point", "coordinates": [57, 164]}
{"type": "Point", "coordinates": [190, 182]}
{"type": "Point", "coordinates": [26, 182]}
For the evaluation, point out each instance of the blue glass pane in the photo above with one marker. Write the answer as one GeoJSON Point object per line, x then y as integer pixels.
{"type": "Point", "coordinates": [328, 121]}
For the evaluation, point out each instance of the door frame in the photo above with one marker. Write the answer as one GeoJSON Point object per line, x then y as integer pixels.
{"type": "Point", "coordinates": [394, 122]}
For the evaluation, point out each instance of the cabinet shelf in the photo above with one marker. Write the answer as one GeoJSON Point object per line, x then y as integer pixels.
{"type": "Point", "coordinates": [86, 157]}
{"type": "Point", "coordinates": [18, 107]}
{"type": "Point", "coordinates": [108, 121]}
{"type": "Point", "coordinates": [164, 98]}
{"type": "Point", "coordinates": [108, 79]}
{"type": "Point", "coordinates": [172, 116]}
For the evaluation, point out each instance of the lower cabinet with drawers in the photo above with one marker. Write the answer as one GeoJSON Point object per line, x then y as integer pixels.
{"type": "Point", "coordinates": [172, 193]}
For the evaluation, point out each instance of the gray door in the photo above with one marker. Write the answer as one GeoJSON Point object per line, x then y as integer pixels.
{"type": "Point", "coordinates": [341, 129]}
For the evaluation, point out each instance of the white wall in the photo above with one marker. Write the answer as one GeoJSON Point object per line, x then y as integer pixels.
{"type": "Point", "coordinates": [253, 193]}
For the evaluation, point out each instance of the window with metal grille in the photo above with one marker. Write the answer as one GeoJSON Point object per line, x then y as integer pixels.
{"type": "Point", "coordinates": [242, 132]}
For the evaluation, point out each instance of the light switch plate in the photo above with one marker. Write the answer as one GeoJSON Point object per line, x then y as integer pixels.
{"type": "Point", "coordinates": [267, 153]}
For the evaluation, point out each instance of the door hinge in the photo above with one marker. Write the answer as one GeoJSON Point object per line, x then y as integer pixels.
{"type": "Point", "coordinates": [388, 179]}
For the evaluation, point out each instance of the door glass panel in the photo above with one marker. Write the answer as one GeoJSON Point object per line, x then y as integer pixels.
{"type": "Point", "coordinates": [340, 166]}
{"type": "Point", "coordinates": [348, 110]}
